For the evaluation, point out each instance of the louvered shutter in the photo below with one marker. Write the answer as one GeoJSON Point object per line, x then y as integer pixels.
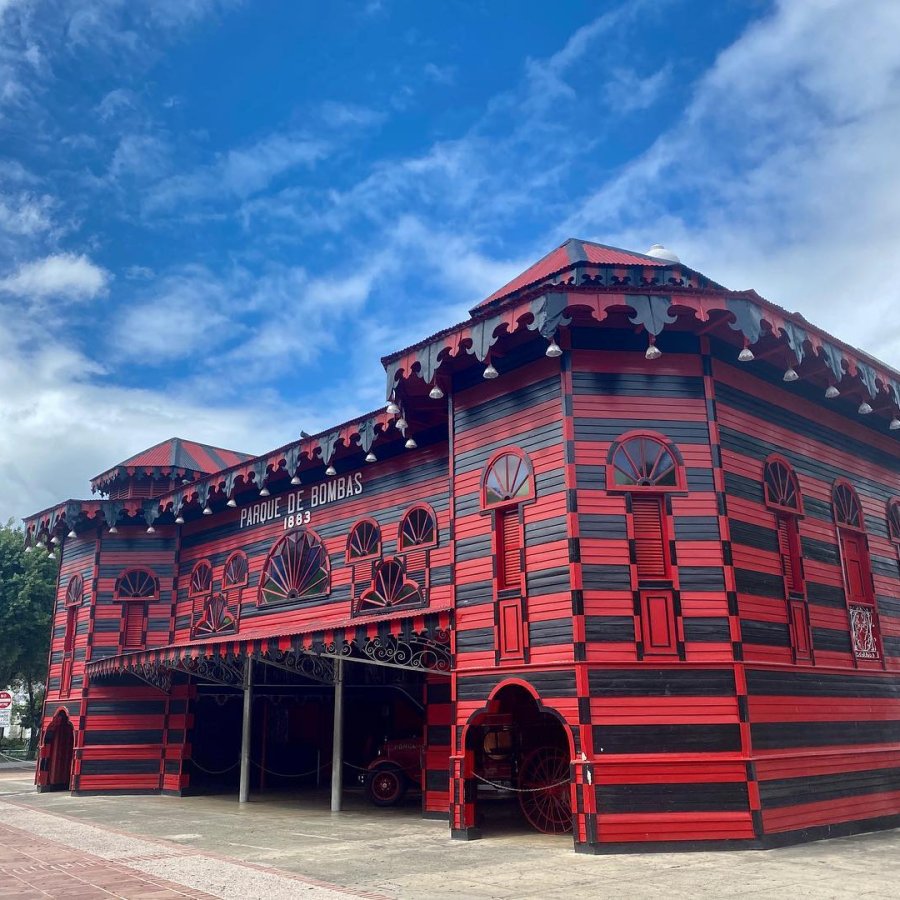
{"type": "Point", "coordinates": [649, 542]}
{"type": "Point", "coordinates": [134, 624]}
{"type": "Point", "coordinates": [509, 544]}
{"type": "Point", "coordinates": [69, 640]}
{"type": "Point", "coordinates": [789, 550]}
{"type": "Point", "coordinates": [853, 550]}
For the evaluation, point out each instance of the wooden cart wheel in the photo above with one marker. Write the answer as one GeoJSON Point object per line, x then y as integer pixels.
{"type": "Point", "coordinates": [544, 780]}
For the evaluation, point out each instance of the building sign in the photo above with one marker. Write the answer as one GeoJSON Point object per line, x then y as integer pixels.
{"type": "Point", "coordinates": [6, 701]}
{"type": "Point", "coordinates": [296, 507]}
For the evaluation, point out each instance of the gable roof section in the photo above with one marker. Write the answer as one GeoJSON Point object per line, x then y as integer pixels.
{"type": "Point", "coordinates": [174, 454]}
{"type": "Point", "coordinates": [568, 255]}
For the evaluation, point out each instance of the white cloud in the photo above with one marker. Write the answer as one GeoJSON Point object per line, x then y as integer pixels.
{"type": "Point", "coordinates": [65, 276]}
{"type": "Point", "coordinates": [445, 75]}
{"type": "Point", "coordinates": [25, 215]}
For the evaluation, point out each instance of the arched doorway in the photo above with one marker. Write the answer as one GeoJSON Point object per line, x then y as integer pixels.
{"type": "Point", "coordinates": [521, 756]}
{"type": "Point", "coordinates": [62, 749]}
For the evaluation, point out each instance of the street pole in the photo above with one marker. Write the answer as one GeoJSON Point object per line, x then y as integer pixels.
{"type": "Point", "coordinates": [337, 750]}
{"type": "Point", "coordinates": [244, 794]}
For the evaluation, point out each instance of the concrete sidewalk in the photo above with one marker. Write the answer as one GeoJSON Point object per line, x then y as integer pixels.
{"type": "Point", "coordinates": [284, 845]}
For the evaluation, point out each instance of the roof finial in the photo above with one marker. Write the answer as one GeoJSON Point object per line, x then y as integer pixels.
{"type": "Point", "coordinates": [658, 251]}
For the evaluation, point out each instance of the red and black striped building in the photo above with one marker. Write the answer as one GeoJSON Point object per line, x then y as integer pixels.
{"type": "Point", "coordinates": [624, 544]}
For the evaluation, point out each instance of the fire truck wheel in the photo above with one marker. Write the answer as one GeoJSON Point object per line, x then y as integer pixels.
{"type": "Point", "coordinates": [386, 786]}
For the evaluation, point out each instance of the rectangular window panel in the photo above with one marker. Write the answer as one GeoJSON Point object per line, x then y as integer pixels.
{"type": "Point", "coordinates": [800, 629]}
{"type": "Point", "coordinates": [509, 549]}
{"type": "Point", "coordinates": [69, 641]}
{"type": "Point", "coordinates": [511, 632]}
{"type": "Point", "coordinates": [658, 623]}
{"type": "Point", "coordinates": [134, 626]}
{"type": "Point", "coordinates": [863, 632]}
{"type": "Point", "coordinates": [856, 567]}
{"type": "Point", "coordinates": [649, 537]}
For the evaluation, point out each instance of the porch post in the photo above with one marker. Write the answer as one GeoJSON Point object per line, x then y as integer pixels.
{"type": "Point", "coordinates": [337, 751]}
{"type": "Point", "coordinates": [244, 795]}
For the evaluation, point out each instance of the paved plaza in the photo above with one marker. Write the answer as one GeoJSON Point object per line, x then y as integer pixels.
{"type": "Point", "coordinates": [55, 845]}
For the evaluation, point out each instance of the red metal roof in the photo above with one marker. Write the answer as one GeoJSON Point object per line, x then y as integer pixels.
{"type": "Point", "coordinates": [571, 252]}
{"type": "Point", "coordinates": [177, 453]}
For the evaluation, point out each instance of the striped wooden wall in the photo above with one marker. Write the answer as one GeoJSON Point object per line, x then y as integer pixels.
{"type": "Point", "coordinates": [824, 732]}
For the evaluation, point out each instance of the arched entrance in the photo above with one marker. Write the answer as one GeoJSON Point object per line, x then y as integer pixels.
{"type": "Point", "coordinates": [62, 748]}
{"type": "Point", "coordinates": [521, 754]}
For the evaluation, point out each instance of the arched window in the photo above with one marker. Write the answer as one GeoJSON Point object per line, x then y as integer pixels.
{"type": "Point", "coordinates": [297, 569]}
{"type": "Point", "coordinates": [893, 519]}
{"type": "Point", "coordinates": [74, 590]}
{"type": "Point", "coordinates": [364, 541]}
{"type": "Point", "coordinates": [646, 467]}
{"type": "Point", "coordinates": [507, 479]}
{"type": "Point", "coordinates": [131, 587]}
{"type": "Point", "coordinates": [645, 462]}
{"type": "Point", "coordinates": [781, 490]}
{"type": "Point", "coordinates": [390, 589]}
{"type": "Point", "coordinates": [418, 529]}
{"type": "Point", "coordinates": [848, 517]}
{"type": "Point", "coordinates": [201, 579]}
{"type": "Point", "coordinates": [236, 572]}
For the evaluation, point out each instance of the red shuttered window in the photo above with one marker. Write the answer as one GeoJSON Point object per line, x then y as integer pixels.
{"type": "Point", "coordinates": [789, 550]}
{"type": "Point", "coordinates": [69, 640]}
{"type": "Point", "coordinates": [649, 538]}
{"type": "Point", "coordinates": [509, 548]}
{"type": "Point", "coordinates": [133, 632]}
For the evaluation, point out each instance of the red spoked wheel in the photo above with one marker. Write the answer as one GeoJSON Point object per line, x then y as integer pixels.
{"type": "Point", "coordinates": [544, 782]}
{"type": "Point", "coordinates": [386, 786]}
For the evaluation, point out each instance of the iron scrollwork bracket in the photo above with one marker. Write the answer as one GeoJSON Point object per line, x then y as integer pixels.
{"type": "Point", "coordinates": [416, 652]}
{"type": "Point", "coordinates": [216, 669]}
{"type": "Point", "coordinates": [308, 665]}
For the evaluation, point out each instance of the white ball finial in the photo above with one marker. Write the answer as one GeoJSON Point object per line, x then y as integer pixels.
{"type": "Point", "coordinates": [658, 251]}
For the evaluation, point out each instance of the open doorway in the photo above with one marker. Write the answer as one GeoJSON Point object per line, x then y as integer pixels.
{"type": "Point", "coordinates": [61, 735]}
{"type": "Point", "coordinates": [521, 757]}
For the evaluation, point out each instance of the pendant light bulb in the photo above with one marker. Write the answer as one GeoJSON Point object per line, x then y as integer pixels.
{"type": "Point", "coordinates": [179, 520]}
{"type": "Point", "coordinates": [296, 480]}
{"type": "Point", "coordinates": [402, 424]}
{"type": "Point", "coordinates": [113, 529]}
{"type": "Point", "coordinates": [231, 502]}
{"type": "Point", "coordinates": [51, 555]}
{"type": "Point", "coordinates": [490, 372]}
{"type": "Point", "coordinates": [790, 375]}
{"type": "Point", "coordinates": [206, 510]}
{"type": "Point", "coordinates": [746, 355]}
{"type": "Point", "coordinates": [151, 529]}
{"type": "Point", "coordinates": [553, 350]}
{"type": "Point", "coordinates": [264, 491]}
{"type": "Point", "coordinates": [331, 471]}
{"type": "Point", "coordinates": [54, 539]}
{"type": "Point", "coordinates": [392, 409]}
{"type": "Point", "coordinates": [652, 352]}
{"type": "Point", "coordinates": [72, 534]}
{"type": "Point", "coordinates": [864, 408]}
{"type": "Point", "coordinates": [894, 424]}
{"type": "Point", "coordinates": [371, 457]}
{"type": "Point", "coordinates": [29, 548]}
{"type": "Point", "coordinates": [831, 392]}
{"type": "Point", "coordinates": [410, 444]}
{"type": "Point", "coordinates": [436, 393]}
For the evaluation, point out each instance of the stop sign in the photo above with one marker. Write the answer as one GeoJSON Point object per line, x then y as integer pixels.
{"type": "Point", "coordinates": [5, 699]}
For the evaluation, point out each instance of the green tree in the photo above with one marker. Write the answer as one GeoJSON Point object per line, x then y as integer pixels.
{"type": "Point", "coordinates": [27, 596]}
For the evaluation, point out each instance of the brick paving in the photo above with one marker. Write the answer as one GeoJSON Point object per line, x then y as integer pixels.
{"type": "Point", "coordinates": [33, 867]}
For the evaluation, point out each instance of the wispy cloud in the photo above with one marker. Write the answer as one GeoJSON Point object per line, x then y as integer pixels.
{"type": "Point", "coordinates": [64, 276]}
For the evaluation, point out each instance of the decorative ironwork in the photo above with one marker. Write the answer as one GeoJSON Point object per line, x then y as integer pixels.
{"type": "Point", "coordinates": [214, 668]}
{"type": "Point", "coordinates": [507, 478]}
{"type": "Point", "coordinates": [236, 570]}
{"type": "Point", "coordinates": [894, 520]}
{"type": "Point", "coordinates": [74, 591]}
{"type": "Point", "coordinates": [862, 632]}
{"type": "Point", "coordinates": [297, 569]}
{"type": "Point", "coordinates": [216, 618]}
{"type": "Point", "coordinates": [201, 578]}
{"type": "Point", "coordinates": [644, 462]}
{"type": "Point", "coordinates": [154, 674]}
{"type": "Point", "coordinates": [846, 506]}
{"type": "Point", "coordinates": [414, 652]}
{"type": "Point", "coordinates": [390, 589]}
{"type": "Point", "coordinates": [781, 486]}
{"type": "Point", "coordinates": [418, 528]}
{"type": "Point", "coordinates": [137, 584]}
{"type": "Point", "coordinates": [309, 665]}
{"type": "Point", "coordinates": [364, 540]}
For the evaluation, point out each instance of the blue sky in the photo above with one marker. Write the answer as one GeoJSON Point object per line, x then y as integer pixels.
{"type": "Point", "coordinates": [216, 216]}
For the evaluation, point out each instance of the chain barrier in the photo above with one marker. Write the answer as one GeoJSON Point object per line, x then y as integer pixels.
{"type": "Point", "coordinates": [253, 762]}
{"type": "Point", "coordinates": [211, 771]}
{"type": "Point", "coordinates": [513, 790]}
